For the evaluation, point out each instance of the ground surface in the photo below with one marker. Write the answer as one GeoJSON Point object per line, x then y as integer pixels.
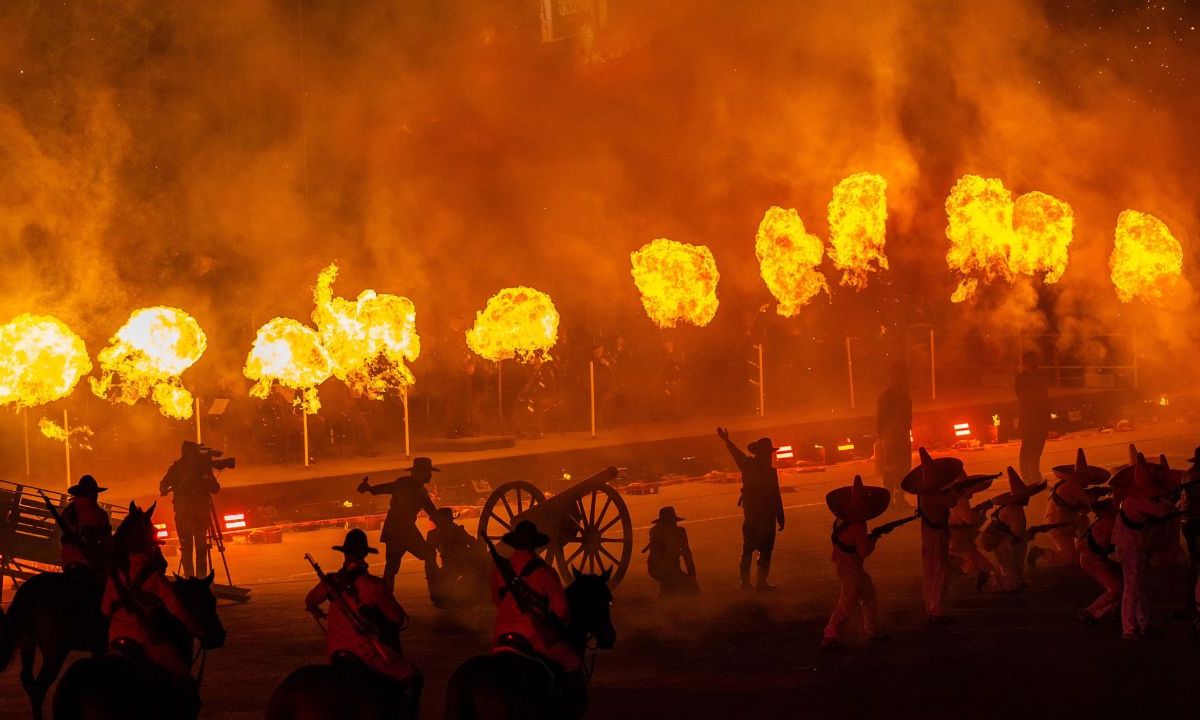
{"type": "Point", "coordinates": [731, 655]}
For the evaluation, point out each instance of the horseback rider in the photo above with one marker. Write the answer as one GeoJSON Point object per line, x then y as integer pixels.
{"type": "Point", "coordinates": [85, 548]}
{"type": "Point", "coordinates": [669, 548]}
{"type": "Point", "coordinates": [762, 507]}
{"type": "Point", "coordinates": [400, 533]}
{"type": "Point", "coordinates": [520, 630]}
{"type": "Point", "coordinates": [192, 480]}
{"type": "Point", "coordinates": [351, 645]}
{"type": "Point", "coordinates": [460, 559]}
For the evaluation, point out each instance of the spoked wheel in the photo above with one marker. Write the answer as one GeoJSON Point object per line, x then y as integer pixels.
{"type": "Point", "coordinates": [601, 535]}
{"type": "Point", "coordinates": [504, 505]}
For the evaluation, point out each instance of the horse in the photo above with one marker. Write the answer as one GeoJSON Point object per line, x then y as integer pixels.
{"type": "Point", "coordinates": [339, 691]}
{"type": "Point", "coordinates": [125, 686]}
{"type": "Point", "coordinates": [508, 685]}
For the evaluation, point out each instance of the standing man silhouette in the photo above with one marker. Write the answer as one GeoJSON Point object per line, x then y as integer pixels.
{"type": "Point", "coordinates": [893, 425]}
{"type": "Point", "coordinates": [762, 507]}
{"type": "Point", "coordinates": [1033, 415]}
{"type": "Point", "coordinates": [400, 533]}
{"type": "Point", "coordinates": [192, 480]}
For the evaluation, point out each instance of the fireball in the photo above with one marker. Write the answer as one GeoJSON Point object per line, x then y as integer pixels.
{"type": "Point", "coordinates": [678, 282]}
{"type": "Point", "coordinates": [1044, 227]}
{"type": "Point", "coordinates": [289, 353]}
{"type": "Point", "coordinates": [517, 322]}
{"type": "Point", "coordinates": [80, 435]}
{"type": "Point", "coordinates": [788, 258]}
{"type": "Point", "coordinates": [1146, 259]}
{"type": "Point", "coordinates": [41, 360]}
{"type": "Point", "coordinates": [858, 227]}
{"type": "Point", "coordinates": [369, 340]}
{"type": "Point", "coordinates": [146, 357]}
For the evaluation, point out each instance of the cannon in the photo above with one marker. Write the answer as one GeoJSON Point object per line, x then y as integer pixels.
{"type": "Point", "coordinates": [588, 523]}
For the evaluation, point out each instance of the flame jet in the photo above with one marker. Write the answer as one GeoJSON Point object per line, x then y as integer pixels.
{"type": "Point", "coordinates": [289, 353]}
{"type": "Point", "coordinates": [788, 258]}
{"type": "Point", "coordinates": [678, 282]}
{"type": "Point", "coordinates": [41, 360]}
{"type": "Point", "coordinates": [1146, 260]}
{"type": "Point", "coordinates": [992, 236]}
{"type": "Point", "coordinates": [858, 227]}
{"type": "Point", "coordinates": [146, 357]}
{"type": "Point", "coordinates": [80, 436]}
{"type": "Point", "coordinates": [517, 322]}
{"type": "Point", "coordinates": [369, 339]}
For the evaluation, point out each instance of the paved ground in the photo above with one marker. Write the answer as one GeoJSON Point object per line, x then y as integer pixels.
{"type": "Point", "coordinates": [748, 656]}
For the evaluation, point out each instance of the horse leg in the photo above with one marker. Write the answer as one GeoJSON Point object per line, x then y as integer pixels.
{"type": "Point", "coordinates": [28, 657]}
{"type": "Point", "coordinates": [51, 666]}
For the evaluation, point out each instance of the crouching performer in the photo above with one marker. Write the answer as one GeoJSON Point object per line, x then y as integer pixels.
{"type": "Point", "coordinates": [1095, 548]}
{"type": "Point", "coordinates": [364, 624]}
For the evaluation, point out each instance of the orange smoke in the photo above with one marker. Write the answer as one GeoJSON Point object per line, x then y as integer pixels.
{"type": "Point", "coordinates": [788, 258]}
{"type": "Point", "coordinates": [146, 357]}
{"type": "Point", "coordinates": [289, 353]}
{"type": "Point", "coordinates": [678, 282]}
{"type": "Point", "coordinates": [369, 339]}
{"type": "Point", "coordinates": [516, 322]}
{"type": "Point", "coordinates": [41, 360]}
{"type": "Point", "coordinates": [858, 227]}
{"type": "Point", "coordinates": [992, 237]}
{"type": "Point", "coordinates": [1146, 260]}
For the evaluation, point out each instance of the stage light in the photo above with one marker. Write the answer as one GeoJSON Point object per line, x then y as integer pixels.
{"type": "Point", "coordinates": [784, 453]}
{"type": "Point", "coordinates": [160, 531]}
{"type": "Point", "coordinates": [235, 521]}
{"type": "Point", "coordinates": [962, 430]}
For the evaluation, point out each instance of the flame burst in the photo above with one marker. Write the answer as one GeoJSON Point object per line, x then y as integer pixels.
{"type": "Point", "coordinates": [994, 237]}
{"type": "Point", "coordinates": [369, 340]}
{"type": "Point", "coordinates": [516, 322]}
{"type": "Point", "coordinates": [287, 352]}
{"type": "Point", "coordinates": [80, 436]}
{"type": "Point", "coordinates": [41, 360]}
{"type": "Point", "coordinates": [858, 227]}
{"type": "Point", "coordinates": [146, 357]}
{"type": "Point", "coordinates": [678, 282]}
{"type": "Point", "coordinates": [1146, 259]}
{"type": "Point", "coordinates": [788, 258]}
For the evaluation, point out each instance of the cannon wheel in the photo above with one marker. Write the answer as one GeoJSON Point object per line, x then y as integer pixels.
{"type": "Point", "coordinates": [504, 504]}
{"type": "Point", "coordinates": [601, 537]}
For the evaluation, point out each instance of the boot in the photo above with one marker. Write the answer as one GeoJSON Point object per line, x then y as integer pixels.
{"type": "Point", "coordinates": [761, 583]}
{"type": "Point", "coordinates": [744, 574]}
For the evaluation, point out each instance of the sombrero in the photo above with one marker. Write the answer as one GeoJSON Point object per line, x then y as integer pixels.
{"type": "Point", "coordinates": [1143, 479]}
{"type": "Point", "coordinates": [1081, 472]}
{"type": "Point", "coordinates": [525, 536]}
{"type": "Point", "coordinates": [977, 483]}
{"type": "Point", "coordinates": [1018, 491]}
{"type": "Point", "coordinates": [931, 475]}
{"type": "Point", "coordinates": [858, 502]}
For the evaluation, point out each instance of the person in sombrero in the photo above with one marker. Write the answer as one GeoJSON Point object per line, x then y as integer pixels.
{"type": "Point", "coordinates": [966, 520]}
{"type": "Point", "coordinates": [1069, 502]}
{"type": "Point", "coordinates": [933, 483]}
{"type": "Point", "coordinates": [1095, 549]}
{"type": "Point", "coordinates": [1145, 493]}
{"type": "Point", "coordinates": [1165, 550]}
{"type": "Point", "coordinates": [852, 507]}
{"type": "Point", "coordinates": [1008, 531]}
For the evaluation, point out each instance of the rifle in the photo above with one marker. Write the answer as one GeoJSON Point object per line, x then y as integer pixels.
{"type": "Point", "coordinates": [1032, 532]}
{"type": "Point", "coordinates": [69, 535]}
{"type": "Point", "coordinates": [528, 601]}
{"type": "Point", "coordinates": [385, 642]}
{"type": "Point", "coordinates": [886, 528]}
{"type": "Point", "coordinates": [972, 480]}
{"type": "Point", "coordinates": [1178, 490]}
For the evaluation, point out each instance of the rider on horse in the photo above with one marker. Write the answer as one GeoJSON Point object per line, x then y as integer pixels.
{"type": "Point", "coordinates": [536, 634]}
{"type": "Point", "coordinates": [88, 532]}
{"type": "Point", "coordinates": [367, 597]}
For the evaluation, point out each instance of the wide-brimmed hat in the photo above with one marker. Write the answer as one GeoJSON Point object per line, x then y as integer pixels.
{"type": "Point", "coordinates": [356, 545]}
{"type": "Point", "coordinates": [762, 446]}
{"type": "Point", "coordinates": [86, 486]}
{"type": "Point", "coordinates": [667, 515]}
{"type": "Point", "coordinates": [977, 483]}
{"type": "Point", "coordinates": [858, 502]}
{"type": "Point", "coordinates": [1081, 472]}
{"type": "Point", "coordinates": [1018, 491]}
{"type": "Point", "coordinates": [931, 475]}
{"type": "Point", "coordinates": [444, 514]}
{"type": "Point", "coordinates": [423, 463]}
{"type": "Point", "coordinates": [525, 536]}
{"type": "Point", "coordinates": [1159, 478]}
{"type": "Point", "coordinates": [1195, 458]}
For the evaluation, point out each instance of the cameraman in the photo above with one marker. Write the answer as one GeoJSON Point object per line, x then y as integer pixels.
{"type": "Point", "coordinates": [191, 479]}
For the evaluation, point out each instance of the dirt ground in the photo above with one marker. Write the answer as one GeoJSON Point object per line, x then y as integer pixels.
{"type": "Point", "coordinates": [735, 655]}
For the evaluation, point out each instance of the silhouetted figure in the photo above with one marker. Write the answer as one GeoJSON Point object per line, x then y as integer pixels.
{"type": "Point", "coordinates": [1033, 415]}
{"type": "Point", "coordinates": [88, 535]}
{"type": "Point", "coordinates": [893, 424]}
{"type": "Point", "coordinates": [966, 520]}
{"type": "Point", "coordinates": [1007, 536]}
{"type": "Point", "coordinates": [1069, 502]}
{"type": "Point", "coordinates": [538, 397]}
{"type": "Point", "coordinates": [1144, 494]}
{"type": "Point", "coordinates": [1191, 537]}
{"type": "Point", "coordinates": [400, 533]}
{"type": "Point", "coordinates": [370, 648]}
{"type": "Point", "coordinates": [458, 568]}
{"type": "Point", "coordinates": [852, 507]}
{"type": "Point", "coordinates": [933, 483]}
{"type": "Point", "coordinates": [1095, 550]}
{"type": "Point", "coordinates": [192, 481]}
{"type": "Point", "coordinates": [670, 560]}
{"type": "Point", "coordinates": [762, 507]}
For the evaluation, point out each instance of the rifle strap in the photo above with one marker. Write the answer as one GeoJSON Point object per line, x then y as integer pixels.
{"type": "Point", "coordinates": [1130, 523]}
{"type": "Point", "coordinates": [1057, 499]}
{"type": "Point", "coordinates": [837, 543]}
{"type": "Point", "coordinates": [1094, 546]}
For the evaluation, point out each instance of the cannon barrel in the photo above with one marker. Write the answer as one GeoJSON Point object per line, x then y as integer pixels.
{"type": "Point", "coordinates": [557, 505]}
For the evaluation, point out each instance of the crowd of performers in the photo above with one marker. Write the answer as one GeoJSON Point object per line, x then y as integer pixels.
{"type": "Point", "coordinates": [1109, 524]}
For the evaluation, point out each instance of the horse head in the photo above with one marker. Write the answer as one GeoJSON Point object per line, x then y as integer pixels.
{"type": "Point", "coordinates": [200, 605]}
{"type": "Point", "coordinates": [590, 601]}
{"type": "Point", "coordinates": [136, 533]}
